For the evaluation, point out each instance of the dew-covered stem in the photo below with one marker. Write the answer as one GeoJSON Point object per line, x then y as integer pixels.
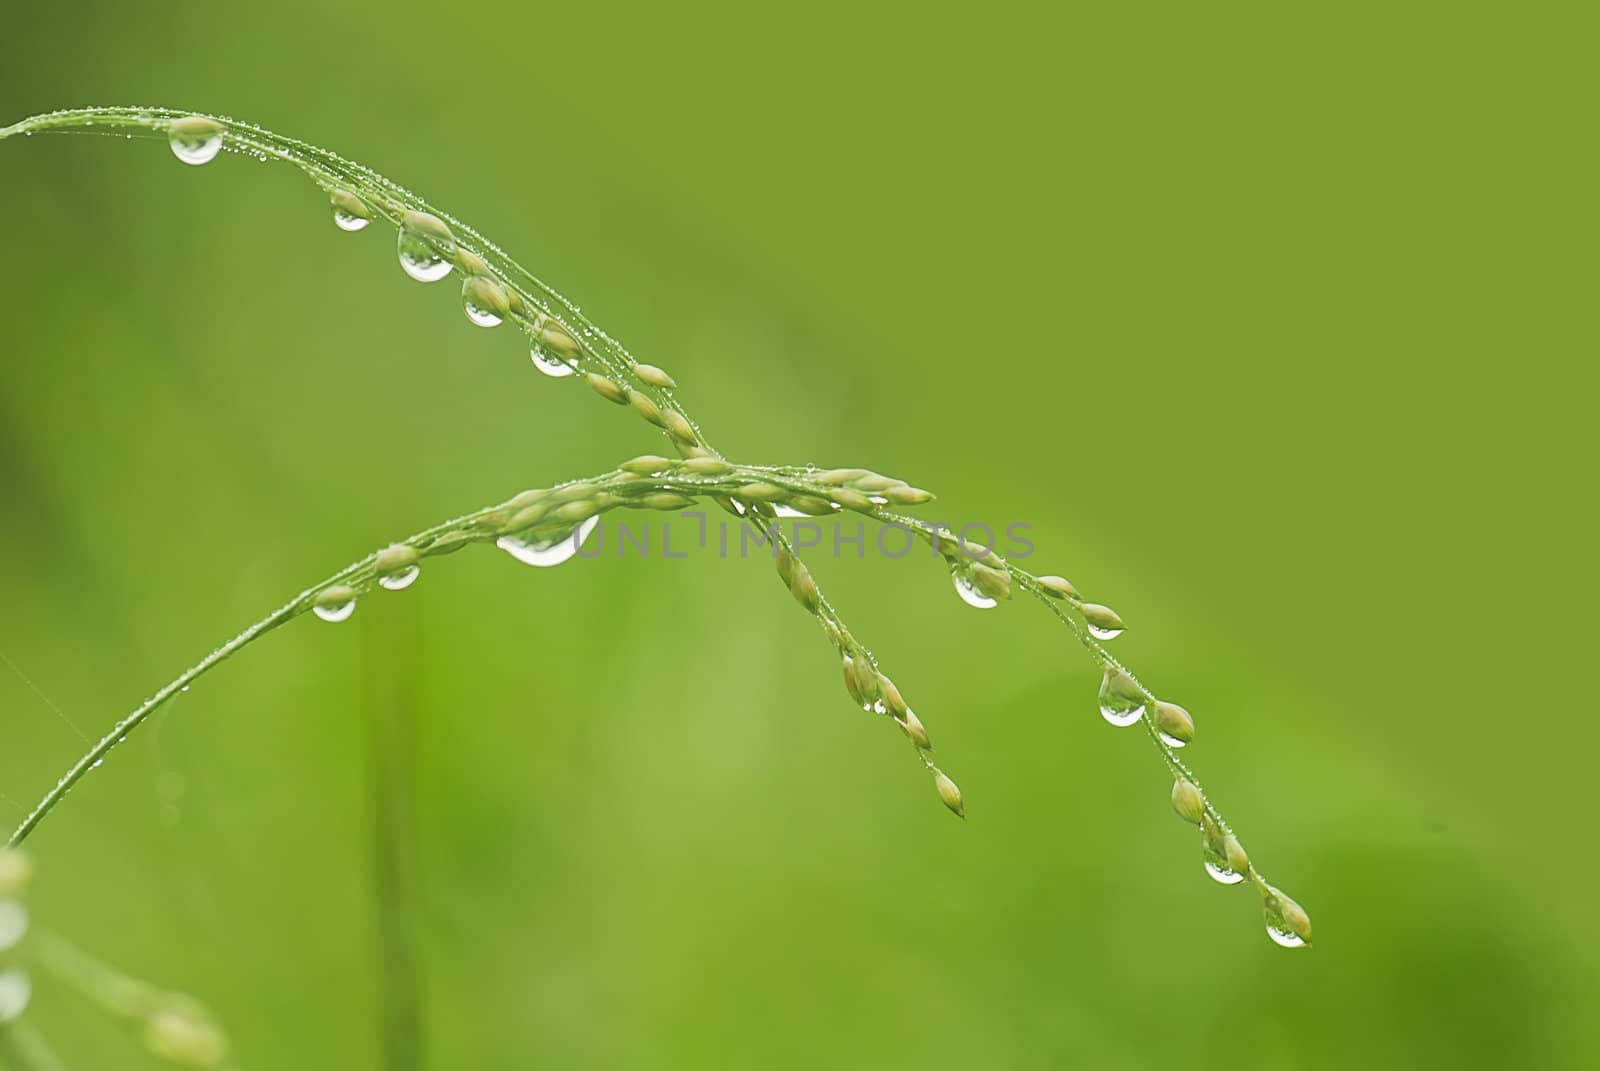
{"type": "Point", "coordinates": [547, 527]}
{"type": "Point", "coordinates": [532, 518]}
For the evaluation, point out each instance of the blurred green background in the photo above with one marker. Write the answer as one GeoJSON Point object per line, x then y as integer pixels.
{"type": "Point", "coordinates": [1267, 320]}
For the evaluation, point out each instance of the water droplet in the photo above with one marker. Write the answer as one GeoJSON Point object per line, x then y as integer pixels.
{"type": "Point", "coordinates": [1121, 704]}
{"type": "Point", "coordinates": [350, 213]}
{"type": "Point", "coordinates": [548, 552]}
{"type": "Point", "coordinates": [1105, 633]}
{"type": "Point", "coordinates": [16, 989]}
{"type": "Point", "coordinates": [339, 611]}
{"type": "Point", "coordinates": [1215, 855]}
{"type": "Point", "coordinates": [425, 242]}
{"type": "Point", "coordinates": [1222, 872]}
{"type": "Point", "coordinates": [401, 580]}
{"type": "Point", "coordinates": [196, 139]}
{"type": "Point", "coordinates": [549, 365]}
{"type": "Point", "coordinates": [970, 594]}
{"type": "Point", "coordinates": [484, 301]}
{"type": "Point", "coordinates": [1170, 740]}
{"type": "Point", "coordinates": [13, 923]}
{"type": "Point", "coordinates": [1282, 935]}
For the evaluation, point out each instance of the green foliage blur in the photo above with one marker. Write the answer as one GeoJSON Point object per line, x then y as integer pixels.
{"type": "Point", "coordinates": [1268, 321]}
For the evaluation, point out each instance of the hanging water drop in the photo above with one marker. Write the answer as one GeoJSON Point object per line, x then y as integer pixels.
{"type": "Point", "coordinates": [401, 580]}
{"type": "Point", "coordinates": [336, 603]}
{"type": "Point", "coordinates": [550, 365]}
{"type": "Point", "coordinates": [338, 613]}
{"type": "Point", "coordinates": [485, 301]}
{"type": "Point", "coordinates": [547, 552]}
{"type": "Point", "coordinates": [1121, 702]}
{"type": "Point", "coordinates": [1214, 853]}
{"type": "Point", "coordinates": [350, 213]}
{"type": "Point", "coordinates": [195, 139]}
{"type": "Point", "coordinates": [425, 243]}
{"type": "Point", "coordinates": [968, 591]}
{"type": "Point", "coordinates": [1288, 925]}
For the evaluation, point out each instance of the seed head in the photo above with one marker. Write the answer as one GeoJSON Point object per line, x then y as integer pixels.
{"type": "Point", "coordinates": [576, 512]}
{"type": "Point", "coordinates": [913, 728]}
{"type": "Point", "coordinates": [1174, 721]}
{"type": "Point", "coordinates": [892, 699]}
{"type": "Point", "coordinates": [705, 466]}
{"type": "Point", "coordinates": [1059, 586]}
{"type": "Point", "coordinates": [470, 263]}
{"type": "Point", "coordinates": [525, 499]}
{"type": "Point", "coordinates": [572, 492]}
{"type": "Point", "coordinates": [645, 465]}
{"type": "Point", "coordinates": [1234, 852]}
{"type": "Point", "coordinates": [336, 595]}
{"type": "Point", "coordinates": [431, 227]}
{"type": "Point", "coordinates": [872, 481]}
{"type": "Point", "coordinates": [654, 376]}
{"type": "Point", "coordinates": [949, 793]}
{"type": "Point", "coordinates": [527, 517]}
{"type": "Point", "coordinates": [666, 500]}
{"type": "Point", "coordinates": [1284, 914]}
{"type": "Point", "coordinates": [1100, 617]}
{"type": "Point", "coordinates": [990, 582]}
{"type": "Point", "coordinates": [678, 427]}
{"type": "Point", "coordinates": [866, 679]}
{"type": "Point", "coordinates": [850, 498]}
{"type": "Point", "coordinates": [554, 337]}
{"type": "Point", "coordinates": [903, 495]}
{"type": "Point", "coordinates": [347, 203]}
{"type": "Point", "coordinates": [810, 505]}
{"type": "Point", "coordinates": [645, 407]}
{"type": "Point", "coordinates": [395, 558]}
{"type": "Point", "coordinates": [760, 491]}
{"type": "Point", "coordinates": [1187, 801]}
{"type": "Point", "coordinates": [804, 588]}
{"type": "Point", "coordinates": [606, 388]}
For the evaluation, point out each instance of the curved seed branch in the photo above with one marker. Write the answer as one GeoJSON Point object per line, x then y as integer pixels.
{"type": "Point", "coordinates": [432, 245]}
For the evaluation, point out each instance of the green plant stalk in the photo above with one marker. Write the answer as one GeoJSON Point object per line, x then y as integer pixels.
{"type": "Point", "coordinates": [608, 368]}
{"type": "Point", "coordinates": [536, 306]}
{"type": "Point", "coordinates": [614, 489]}
{"type": "Point", "coordinates": [392, 733]}
{"type": "Point", "coordinates": [23, 1048]}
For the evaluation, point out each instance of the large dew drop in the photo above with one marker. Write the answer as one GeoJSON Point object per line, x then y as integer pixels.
{"type": "Point", "coordinates": [549, 551]}
{"type": "Point", "coordinates": [350, 213]}
{"type": "Point", "coordinates": [1121, 704]}
{"type": "Point", "coordinates": [1216, 862]}
{"type": "Point", "coordinates": [484, 301]}
{"type": "Point", "coordinates": [549, 365]}
{"type": "Point", "coordinates": [970, 594]}
{"type": "Point", "coordinates": [425, 244]}
{"type": "Point", "coordinates": [196, 139]}
{"type": "Point", "coordinates": [401, 580]}
{"type": "Point", "coordinates": [335, 612]}
{"type": "Point", "coordinates": [1287, 923]}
